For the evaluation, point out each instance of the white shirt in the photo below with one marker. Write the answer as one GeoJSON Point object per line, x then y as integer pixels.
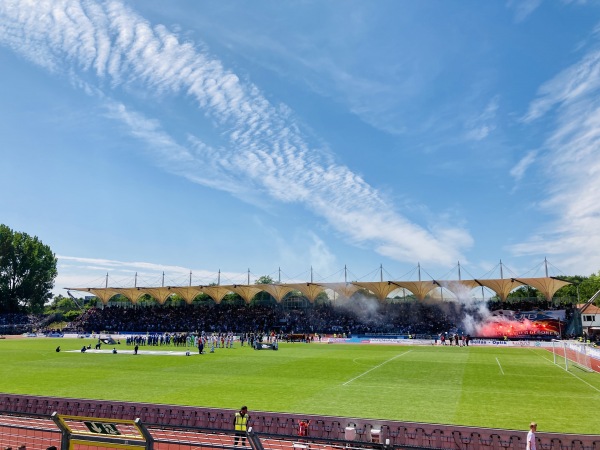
{"type": "Point", "coordinates": [531, 440]}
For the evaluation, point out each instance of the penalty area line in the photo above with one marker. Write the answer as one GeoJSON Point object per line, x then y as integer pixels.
{"type": "Point", "coordinates": [376, 367]}
{"type": "Point", "coordinates": [499, 365]}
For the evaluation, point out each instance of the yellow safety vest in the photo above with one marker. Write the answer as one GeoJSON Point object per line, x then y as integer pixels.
{"type": "Point", "coordinates": [241, 421]}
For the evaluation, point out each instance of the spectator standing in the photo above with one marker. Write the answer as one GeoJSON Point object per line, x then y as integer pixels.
{"type": "Point", "coordinates": [531, 436]}
{"type": "Point", "coordinates": [240, 425]}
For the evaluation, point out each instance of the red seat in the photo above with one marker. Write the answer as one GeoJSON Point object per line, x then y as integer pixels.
{"type": "Point", "coordinates": [316, 428]}
{"type": "Point", "coordinates": [105, 410]}
{"type": "Point", "coordinates": [31, 406]}
{"type": "Point", "coordinates": [88, 409]}
{"type": "Point", "coordinates": [117, 412]}
{"type": "Point", "coordinates": [215, 420]}
{"type": "Point", "coordinates": [200, 419]}
{"type": "Point", "coordinates": [142, 413]}
{"type": "Point", "coordinates": [283, 426]}
{"type": "Point", "coordinates": [175, 417]}
{"type": "Point", "coordinates": [51, 407]}
{"type": "Point", "coordinates": [72, 408]}
{"type": "Point", "coordinates": [41, 407]}
{"type": "Point", "coordinates": [188, 417]}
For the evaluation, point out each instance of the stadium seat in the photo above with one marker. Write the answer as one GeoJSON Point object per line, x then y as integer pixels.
{"type": "Point", "coordinates": [256, 422]}
{"type": "Point", "coordinates": [31, 406]}
{"type": "Point", "coordinates": [398, 436]}
{"type": "Point", "coordinates": [461, 442]}
{"type": "Point", "coordinates": [315, 428]}
{"type": "Point", "coordinates": [419, 437]}
{"type": "Point", "coordinates": [362, 432]}
{"type": "Point", "coordinates": [81, 410]}
{"type": "Point", "coordinates": [88, 409]}
{"type": "Point", "coordinates": [19, 404]}
{"type": "Point", "coordinates": [152, 416]}
{"type": "Point", "coordinates": [283, 426]}
{"type": "Point", "coordinates": [4, 399]}
{"type": "Point", "coordinates": [130, 412]}
{"type": "Point", "coordinates": [293, 425]}
{"type": "Point", "coordinates": [332, 430]}
{"type": "Point", "coordinates": [41, 407]}
{"type": "Point", "coordinates": [105, 410]}
{"type": "Point", "coordinates": [200, 419]}
{"type": "Point", "coordinates": [143, 413]}
{"type": "Point", "coordinates": [10, 403]}
{"type": "Point", "coordinates": [436, 437]}
{"type": "Point", "coordinates": [576, 444]}
{"type": "Point", "coordinates": [475, 441]}
{"type": "Point", "coordinates": [188, 418]}
{"type": "Point", "coordinates": [494, 442]}
{"type": "Point", "coordinates": [175, 417]}
{"type": "Point", "coordinates": [72, 408]}
{"type": "Point", "coordinates": [515, 443]}
{"type": "Point", "coordinates": [384, 433]}
{"type": "Point", "coordinates": [158, 416]}
{"type": "Point", "coordinates": [52, 407]}
{"type": "Point", "coordinates": [63, 407]}
{"type": "Point", "coordinates": [268, 424]}
{"type": "Point", "coordinates": [117, 412]}
{"type": "Point", "coordinates": [215, 420]}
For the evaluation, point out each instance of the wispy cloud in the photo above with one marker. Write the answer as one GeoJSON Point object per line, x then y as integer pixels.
{"type": "Point", "coordinates": [572, 84]}
{"type": "Point", "coordinates": [79, 272]}
{"type": "Point", "coordinates": [257, 147]}
{"type": "Point", "coordinates": [523, 8]}
{"type": "Point", "coordinates": [571, 165]}
{"type": "Point", "coordinates": [480, 127]}
{"type": "Point", "coordinates": [518, 171]}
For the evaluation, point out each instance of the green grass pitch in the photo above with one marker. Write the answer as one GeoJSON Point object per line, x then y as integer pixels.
{"type": "Point", "coordinates": [474, 386]}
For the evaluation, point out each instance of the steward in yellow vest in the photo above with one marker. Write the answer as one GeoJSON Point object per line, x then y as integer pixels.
{"type": "Point", "coordinates": [240, 425]}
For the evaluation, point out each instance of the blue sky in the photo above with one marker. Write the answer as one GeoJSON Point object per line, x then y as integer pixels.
{"type": "Point", "coordinates": [203, 136]}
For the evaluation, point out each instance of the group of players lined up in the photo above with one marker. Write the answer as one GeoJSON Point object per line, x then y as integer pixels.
{"type": "Point", "coordinates": [216, 340]}
{"type": "Point", "coordinates": [459, 340]}
{"type": "Point", "coordinates": [204, 340]}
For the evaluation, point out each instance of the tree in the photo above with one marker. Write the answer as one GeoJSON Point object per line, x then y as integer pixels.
{"type": "Point", "coordinates": [264, 298]}
{"type": "Point", "coordinates": [27, 271]}
{"type": "Point", "coordinates": [62, 305]}
{"type": "Point", "coordinates": [265, 279]}
{"type": "Point", "coordinates": [581, 289]}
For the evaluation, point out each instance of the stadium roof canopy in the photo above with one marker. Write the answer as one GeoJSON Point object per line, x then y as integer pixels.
{"type": "Point", "coordinates": [380, 289]}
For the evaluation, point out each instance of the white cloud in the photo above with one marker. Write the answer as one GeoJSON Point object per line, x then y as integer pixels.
{"type": "Point", "coordinates": [263, 151]}
{"type": "Point", "coordinates": [577, 81]}
{"type": "Point", "coordinates": [523, 8]}
{"type": "Point", "coordinates": [518, 171]}
{"type": "Point", "coordinates": [481, 126]}
{"type": "Point", "coordinates": [79, 272]}
{"type": "Point", "coordinates": [572, 168]}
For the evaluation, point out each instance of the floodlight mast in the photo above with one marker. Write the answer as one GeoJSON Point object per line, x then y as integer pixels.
{"type": "Point", "coordinates": [74, 300]}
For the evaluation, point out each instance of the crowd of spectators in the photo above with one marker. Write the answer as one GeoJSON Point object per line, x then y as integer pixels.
{"type": "Point", "coordinates": [374, 318]}
{"type": "Point", "coordinates": [17, 323]}
{"type": "Point", "coordinates": [359, 316]}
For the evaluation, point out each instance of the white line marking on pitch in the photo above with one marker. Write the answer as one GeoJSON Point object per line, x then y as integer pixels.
{"type": "Point", "coordinates": [500, 366]}
{"type": "Point", "coordinates": [376, 367]}
{"type": "Point", "coordinates": [570, 373]}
